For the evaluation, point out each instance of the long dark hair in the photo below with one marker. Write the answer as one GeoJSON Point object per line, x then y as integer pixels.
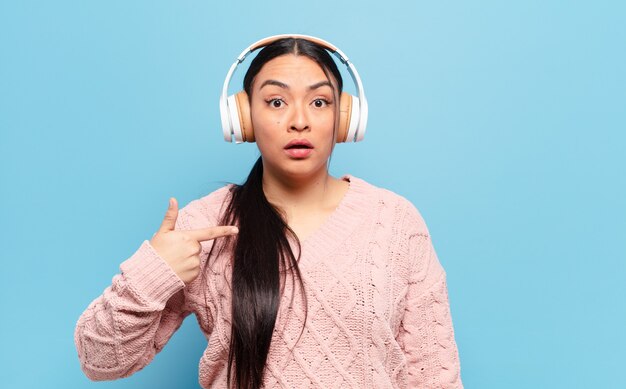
{"type": "Point", "coordinates": [261, 250]}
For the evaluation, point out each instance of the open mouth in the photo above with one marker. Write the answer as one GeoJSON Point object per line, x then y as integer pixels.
{"type": "Point", "coordinates": [299, 144]}
{"type": "Point", "coordinates": [298, 147]}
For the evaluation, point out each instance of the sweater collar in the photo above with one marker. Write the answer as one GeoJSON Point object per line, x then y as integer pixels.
{"type": "Point", "coordinates": [342, 222]}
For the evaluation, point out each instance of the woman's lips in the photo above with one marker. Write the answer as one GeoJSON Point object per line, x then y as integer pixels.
{"type": "Point", "coordinates": [299, 148]}
{"type": "Point", "coordinates": [298, 152]}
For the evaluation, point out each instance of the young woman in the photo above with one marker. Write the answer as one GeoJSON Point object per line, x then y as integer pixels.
{"type": "Point", "coordinates": [297, 278]}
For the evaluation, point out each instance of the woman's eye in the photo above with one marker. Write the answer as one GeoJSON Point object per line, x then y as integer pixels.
{"type": "Point", "coordinates": [319, 103]}
{"type": "Point", "coordinates": [276, 103]}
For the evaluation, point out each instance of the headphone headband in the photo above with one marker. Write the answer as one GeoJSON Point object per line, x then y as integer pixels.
{"type": "Point", "coordinates": [356, 132]}
{"type": "Point", "coordinates": [266, 41]}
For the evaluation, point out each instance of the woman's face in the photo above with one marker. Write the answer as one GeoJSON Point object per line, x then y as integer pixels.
{"type": "Point", "coordinates": [293, 110]}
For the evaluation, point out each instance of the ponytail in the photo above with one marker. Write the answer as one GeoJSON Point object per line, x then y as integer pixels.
{"type": "Point", "coordinates": [261, 253]}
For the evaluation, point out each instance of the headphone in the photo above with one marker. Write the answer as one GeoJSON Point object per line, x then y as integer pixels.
{"type": "Point", "coordinates": [235, 109]}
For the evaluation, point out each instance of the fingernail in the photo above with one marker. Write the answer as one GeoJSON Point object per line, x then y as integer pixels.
{"type": "Point", "coordinates": [235, 230]}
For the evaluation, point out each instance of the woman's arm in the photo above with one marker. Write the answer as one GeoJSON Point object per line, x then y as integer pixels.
{"type": "Point", "coordinates": [426, 332]}
{"type": "Point", "coordinates": [121, 331]}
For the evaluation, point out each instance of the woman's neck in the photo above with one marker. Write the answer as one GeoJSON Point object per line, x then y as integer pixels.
{"type": "Point", "coordinates": [303, 196]}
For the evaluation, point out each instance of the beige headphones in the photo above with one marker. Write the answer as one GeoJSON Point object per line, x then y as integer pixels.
{"type": "Point", "coordinates": [235, 109]}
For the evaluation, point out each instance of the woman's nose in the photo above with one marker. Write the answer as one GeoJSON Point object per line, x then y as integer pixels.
{"type": "Point", "coordinates": [299, 119]}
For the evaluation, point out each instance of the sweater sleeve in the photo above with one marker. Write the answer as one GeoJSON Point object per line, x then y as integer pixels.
{"type": "Point", "coordinates": [122, 330]}
{"type": "Point", "coordinates": [426, 332]}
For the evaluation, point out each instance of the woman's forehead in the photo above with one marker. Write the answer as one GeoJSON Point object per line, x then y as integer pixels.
{"type": "Point", "coordinates": [291, 69]}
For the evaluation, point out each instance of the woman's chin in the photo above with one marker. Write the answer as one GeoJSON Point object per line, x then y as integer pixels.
{"type": "Point", "coordinates": [298, 170]}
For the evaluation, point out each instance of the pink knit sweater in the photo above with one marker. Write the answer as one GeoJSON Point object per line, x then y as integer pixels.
{"type": "Point", "coordinates": [378, 311]}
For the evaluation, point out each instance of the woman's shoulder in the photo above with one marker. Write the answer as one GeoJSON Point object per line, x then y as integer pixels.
{"type": "Point", "coordinates": [401, 208]}
{"type": "Point", "coordinates": [206, 210]}
{"type": "Point", "coordinates": [217, 198]}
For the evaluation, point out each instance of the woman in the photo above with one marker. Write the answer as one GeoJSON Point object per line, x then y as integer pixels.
{"type": "Point", "coordinates": [307, 281]}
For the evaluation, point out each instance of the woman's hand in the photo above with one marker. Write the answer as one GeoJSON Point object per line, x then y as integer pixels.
{"type": "Point", "coordinates": [181, 249]}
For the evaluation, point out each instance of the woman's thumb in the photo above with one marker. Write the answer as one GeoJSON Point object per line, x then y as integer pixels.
{"type": "Point", "coordinates": [169, 221]}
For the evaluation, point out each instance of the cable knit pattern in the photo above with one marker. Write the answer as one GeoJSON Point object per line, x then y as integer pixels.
{"type": "Point", "coordinates": [377, 313]}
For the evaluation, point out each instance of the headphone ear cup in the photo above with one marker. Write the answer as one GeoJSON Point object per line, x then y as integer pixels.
{"type": "Point", "coordinates": [354, 130]}
{"type": "Point", "coordinates": [233, 119]}
{"type": "Point", "coordinates": [243, 113]}
{"type": "Point", "coordinates": [345, 114]}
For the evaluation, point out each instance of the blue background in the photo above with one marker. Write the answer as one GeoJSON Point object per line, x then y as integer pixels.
{"type": "Point", "coordinates": [503, 123]}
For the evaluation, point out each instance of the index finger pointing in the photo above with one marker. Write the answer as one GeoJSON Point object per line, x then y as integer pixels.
{"type": "Point", "coordinates": [209, 233]}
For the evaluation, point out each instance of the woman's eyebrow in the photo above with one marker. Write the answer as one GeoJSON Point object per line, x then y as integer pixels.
{"type": "Point", "coordinates": [274, 82]}
{"type": "Point", "coordinates": [321, 84]}
{"type": "Point", "coordinates": [285, 86]}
